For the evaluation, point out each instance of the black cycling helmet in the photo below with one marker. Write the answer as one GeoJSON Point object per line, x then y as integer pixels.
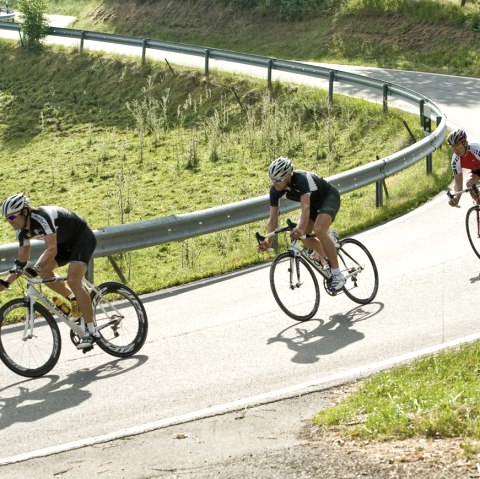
{"type": "Point", "coordinates": [456, 136]}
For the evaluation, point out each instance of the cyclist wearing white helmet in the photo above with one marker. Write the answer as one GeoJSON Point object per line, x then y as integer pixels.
{"type": "Point", "coordinates": [467, 156]}
{"type": "Point", "coordinates": [319, 202]}
{"type": "Point", "coordinates": [68, 240]}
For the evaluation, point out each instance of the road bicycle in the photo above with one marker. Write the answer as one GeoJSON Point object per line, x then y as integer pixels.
{"type": "Point", "coordinates": [294, 282]}
{"type": "Point", "coordinates": [472, 218]}
{"type": "Point", "coordinates": [30, 340]}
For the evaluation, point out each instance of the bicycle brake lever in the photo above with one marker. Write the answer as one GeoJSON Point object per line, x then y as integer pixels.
{"type": "Point", "coordinates": [259, 237]}
{"type": "Point", "coordinates": [291, 224]}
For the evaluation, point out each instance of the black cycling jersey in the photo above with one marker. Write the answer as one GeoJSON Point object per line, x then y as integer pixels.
{"type": "Point", "coordinates": [52, 219]}
{"type": "Point", "coordinates": [302, 182]}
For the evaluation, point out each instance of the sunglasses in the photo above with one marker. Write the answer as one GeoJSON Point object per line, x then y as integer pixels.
{"type": "Point", "coordinates": [11, 217]}
{"type": "Point", "coordinates": [277, 180]}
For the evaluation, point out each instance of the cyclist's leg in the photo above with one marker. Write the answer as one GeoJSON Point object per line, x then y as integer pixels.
{"type": "Point", "coordinates": [322, 224]}
{"type": "Point", "coordinates": [48, 272]}
{"type": "Point", "coordinates": [325, 217]}
{"type": "Point", "coordinates": [314, 243]}
{"type": "Point", "coordinates": [76, 272]}
{"type": "Point", "coordinates": [80, 254]}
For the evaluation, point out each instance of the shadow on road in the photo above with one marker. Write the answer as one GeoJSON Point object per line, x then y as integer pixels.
{"type": "Point", "coordinates": [310, 342]}
{"type": "Point", "coordinates": [33, 403]}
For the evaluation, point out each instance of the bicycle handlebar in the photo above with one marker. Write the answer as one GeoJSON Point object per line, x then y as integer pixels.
{"type": "Point", "coordinates": [290, 226]}
{"type": "Point", "coordinates": [473, 188]}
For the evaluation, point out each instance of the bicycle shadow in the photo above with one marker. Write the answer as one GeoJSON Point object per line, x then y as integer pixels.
{"type": "Point", "coordinates": [475, 279]}
{"type": "Point", "coordinates": [310, 342]}
{"type": "Point", "coordinates": [30, 405]}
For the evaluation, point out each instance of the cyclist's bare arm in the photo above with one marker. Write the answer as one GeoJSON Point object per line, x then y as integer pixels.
{"type": "Point", "coordinates": [23, 255]}
{"type": "Point", "coordinates": [300, 230]}
{"type": "Point", "coordinates": [272, 225]}
{"type": "Point", "coordinates": [50, 250]}
{"type": "Point", "coordinates": [455, 198]}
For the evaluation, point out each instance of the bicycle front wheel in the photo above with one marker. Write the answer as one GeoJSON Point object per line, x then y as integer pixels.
{"type": "Point", "coordinates": [357, 264]}
{"type": "Point", "coordinates": [473, 228]}
{"type": "Point", "coordinates": [121, 319]}
{"type": "Point", "coordinates": [294, 286]}
{"type": "Point", "coordinates": [28, 349]}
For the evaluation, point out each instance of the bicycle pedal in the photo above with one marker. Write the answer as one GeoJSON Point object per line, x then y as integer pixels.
{"type": "Point", "coordinates": [85, 350]}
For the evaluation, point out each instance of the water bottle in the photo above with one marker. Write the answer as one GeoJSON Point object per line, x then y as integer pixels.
{"type": "Point", "coordinates": [61, 305]}
{"type": "Point", "coordinates": [76, 313]}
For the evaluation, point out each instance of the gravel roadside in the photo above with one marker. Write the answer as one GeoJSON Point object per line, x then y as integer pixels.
{"type": "Point", "coordinates": [274, 440]}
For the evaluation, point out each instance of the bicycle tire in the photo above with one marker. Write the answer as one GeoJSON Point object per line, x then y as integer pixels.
{"type": "Point", "coordinates": [299, 301]}
{"type": "Point", "coordinates": [120, 337]}
{"type": "Point", "coordinates": [354, 256]}
{"type": "Point", "coordinates": [37, 355]}
{"type": "Point", "coordinates": [472, 223]}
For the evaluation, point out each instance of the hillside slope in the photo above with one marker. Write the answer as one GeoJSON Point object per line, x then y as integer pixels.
{"type": "Point", "coordinates": [392, 38]}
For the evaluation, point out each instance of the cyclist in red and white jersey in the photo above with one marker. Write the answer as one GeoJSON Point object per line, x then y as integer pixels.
{"type": "Point", "coordinates": [466, 156]}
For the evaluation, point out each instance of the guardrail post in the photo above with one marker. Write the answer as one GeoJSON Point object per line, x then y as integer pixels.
{"type": "Point", "coordinates": [82, 41]}
{"type": "Point", "coordinates": [90, 271]}
{"type": "Point", "coordinates": [385, 98]}
{"type": "Point", "coordinates": [331, 79]}
{"type": "Point", "coordinates": [144, 50]}
{"type": "Point", "coordinates": [426, 123]}
{"type": "Point", "coordinates": [270, 67]}
{"type": "Point", "coordinates": [379, 193]}
{"type": "Point", "coordinates": [207, 61]}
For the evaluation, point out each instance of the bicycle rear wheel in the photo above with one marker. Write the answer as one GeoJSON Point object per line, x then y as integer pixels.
{"type": "Point", "coordinates": [472, 222]}
{"type": "Point", "coordinates": [121, 319]}
{"type": "Point", "coordinates": [294, 286]}
{"type": "Point", "coordinates": [357, 264]}
{"type": "Point", "coordinates": [28, 353]}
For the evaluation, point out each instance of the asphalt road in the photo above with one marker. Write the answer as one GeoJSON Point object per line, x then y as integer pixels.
{"type": "Point", "coordinates": [222, 340]}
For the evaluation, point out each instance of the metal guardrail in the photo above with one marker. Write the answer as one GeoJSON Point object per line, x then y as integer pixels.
{"type": "Point", "coordinates": [128, 237]}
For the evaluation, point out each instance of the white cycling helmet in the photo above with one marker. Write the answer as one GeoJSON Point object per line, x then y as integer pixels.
{"type": "Point", "coordinates": [280, 169]}
{"type": "Point", "coordinates": [14, 204]}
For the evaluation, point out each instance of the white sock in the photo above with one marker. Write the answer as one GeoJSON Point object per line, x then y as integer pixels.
{"type": "Point", "coordinates": [91, 327]}
{"type": "Point", "coordinates": [335, 271]}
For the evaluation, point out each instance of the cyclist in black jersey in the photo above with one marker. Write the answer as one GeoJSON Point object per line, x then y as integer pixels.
{"type": "Point", "coordinates": [320, 202]}
{"type": "Point", "coordinates": [68, 240]}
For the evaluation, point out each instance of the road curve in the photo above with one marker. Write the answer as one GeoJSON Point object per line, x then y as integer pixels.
{"type": "Point", "coordinates": [220, 340]}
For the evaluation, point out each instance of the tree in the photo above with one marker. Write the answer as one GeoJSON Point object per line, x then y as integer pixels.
{"type": "Point", "coordinates": [34, 22]}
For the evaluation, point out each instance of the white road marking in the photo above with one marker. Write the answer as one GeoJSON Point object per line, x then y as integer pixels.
{"type": "Point", "coordinates": [298, 389]}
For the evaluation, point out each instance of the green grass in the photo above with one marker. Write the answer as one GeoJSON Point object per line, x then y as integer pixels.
{"type": "Point", "coordinates": [68, 136]}
{"type": "Point", "coordinates": [427, 35]}
{"type": "Point", "coordinates": [433, 397]}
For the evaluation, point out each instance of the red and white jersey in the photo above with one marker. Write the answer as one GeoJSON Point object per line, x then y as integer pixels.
{"type": "Point", "coordinates": [470, 160]}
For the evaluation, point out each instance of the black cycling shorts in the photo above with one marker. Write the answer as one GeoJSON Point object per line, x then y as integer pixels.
{"type": "Point", "coordinates": [79, 251]}
{"type": "Point", "coordinates": [329, 205]}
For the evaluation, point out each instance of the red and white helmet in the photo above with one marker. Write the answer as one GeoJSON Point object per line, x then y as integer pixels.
{"type": "Point", "coordinates": [456, 136]}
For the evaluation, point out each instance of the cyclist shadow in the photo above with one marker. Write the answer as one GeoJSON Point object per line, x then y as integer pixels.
{"type": "Point", "coordinates": [327, 337]}
{"type": "Point", "coordinates": [30, 405]}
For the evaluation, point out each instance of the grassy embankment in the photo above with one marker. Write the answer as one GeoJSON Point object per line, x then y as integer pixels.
{"type": "Point", "coordinates": [122, 143]}
{"type": "Point", "coordinates": [425, 35]}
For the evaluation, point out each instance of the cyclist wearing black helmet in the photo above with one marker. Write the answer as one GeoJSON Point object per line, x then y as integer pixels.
{"type": "Point", "coordinates": [467, 156]}
{"type": "Point", "coordinates": [319, 202]}
{"type": "Point", "coordinates": [68, 240]}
